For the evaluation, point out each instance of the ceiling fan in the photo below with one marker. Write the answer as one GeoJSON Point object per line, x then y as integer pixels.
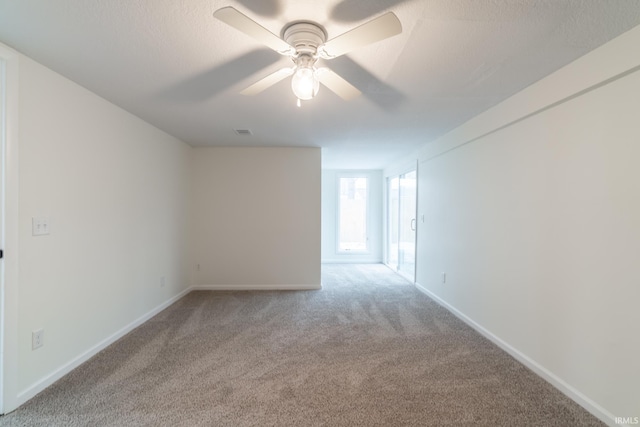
{"type": "Point", "coordinates": [305, 42]}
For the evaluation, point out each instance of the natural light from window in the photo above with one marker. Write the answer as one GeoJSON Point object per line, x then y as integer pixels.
{"type": "Point", "coordinates": [352, 219]}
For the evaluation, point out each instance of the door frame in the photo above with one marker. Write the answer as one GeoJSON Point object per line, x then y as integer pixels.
{"type": "Point", "coordinates": [9, 62]}
{"type": "Point", "coordinates": [397, 173]}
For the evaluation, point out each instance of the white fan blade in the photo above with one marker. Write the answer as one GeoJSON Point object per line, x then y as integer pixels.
{"type": "Point", "coordinates": [375, 30]}
{"type": "Point", "coordinates": [267, 82]}
{"type": "Point", "coordinates": [251, 28]}
{"type": "Point", "coordinates": [337, 84]}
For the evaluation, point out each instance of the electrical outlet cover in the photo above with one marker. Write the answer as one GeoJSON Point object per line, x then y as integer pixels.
{"type": "Point", "coordinates": [37, 339]}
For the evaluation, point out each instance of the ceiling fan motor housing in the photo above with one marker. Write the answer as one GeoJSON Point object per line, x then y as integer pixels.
{"type": "Point", "coordinates": [305, 37]}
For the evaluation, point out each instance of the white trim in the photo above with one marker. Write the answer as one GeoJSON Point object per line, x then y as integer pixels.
{"type": "Point", "coordinates": [11, 214]}
{"type": "Point", "coordinates": [48, 380]}
{"type": "Point", "coordinates": [255, 287]}
{"type": "Point", "coordinates": [582, 400]}
{"type": "Point", "coordinates": [353, 260]}
{"type": "Point", "coordinates": [2, 225]}
{"type": "Point", "coordinates": [51, 378]}
{"type": "Point", "coordinates": [403, 275]}
{"type": "Point", "coordinates": [401, 167]}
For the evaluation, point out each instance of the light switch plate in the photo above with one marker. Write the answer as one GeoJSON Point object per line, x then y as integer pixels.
{"type": "Point", "coordinates": [40, 226]}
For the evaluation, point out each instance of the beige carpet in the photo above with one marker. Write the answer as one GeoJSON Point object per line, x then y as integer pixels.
{"type": "Point", "coordinates": [367, 350]}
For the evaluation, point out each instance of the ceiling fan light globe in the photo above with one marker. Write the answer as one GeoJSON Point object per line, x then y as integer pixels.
{"type": "Point", "coordinates": [305, 83]}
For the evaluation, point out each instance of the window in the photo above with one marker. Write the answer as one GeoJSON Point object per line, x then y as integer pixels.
{"type": "Point", "coordinates": [353, 195]}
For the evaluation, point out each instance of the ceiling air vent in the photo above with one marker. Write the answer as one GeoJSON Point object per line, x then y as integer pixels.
{"type": "Point", "coordinates": [243, 131]}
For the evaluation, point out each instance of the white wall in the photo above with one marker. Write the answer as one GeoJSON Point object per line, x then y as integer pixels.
{"type": "Point", "coordinates": [533, 211]}
{"type": "Point", "coordinates": [330, 252]}
{"type": "Point", "coordinates": [531, 208]}
{"type": "Point", "coordinates": [256, 217]}
{"type": "Point", "coordinates": [116, 192]}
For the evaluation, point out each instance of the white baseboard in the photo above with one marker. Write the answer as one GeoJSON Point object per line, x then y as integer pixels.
{"type": "Point", "coordinates": [256, 287]}
{"type": "Point", "coordinates": [582, 400]}
{"type": "Point", "coordinates": [48, 380]}
{"type": "Point", "coordinates": [595, 409]}
{"type": "Point", "coordinates": [351, 261]}
{"type": "Point", "coordinates": [54, 376]}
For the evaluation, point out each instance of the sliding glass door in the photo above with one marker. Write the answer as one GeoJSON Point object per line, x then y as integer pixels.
{"type": "Point", "coordinates": [407, 225]}
{"type": "Point", "coordinates": [393, 209]}
{"type": "Point", "coordinates": [401, 223]}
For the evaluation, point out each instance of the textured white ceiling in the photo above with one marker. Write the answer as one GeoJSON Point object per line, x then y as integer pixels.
{"type": "Point", "coordinates": [171, 63]}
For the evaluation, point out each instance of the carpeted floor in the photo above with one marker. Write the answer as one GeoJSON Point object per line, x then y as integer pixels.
{"type": "Point", "coordinates": [366, 350]}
